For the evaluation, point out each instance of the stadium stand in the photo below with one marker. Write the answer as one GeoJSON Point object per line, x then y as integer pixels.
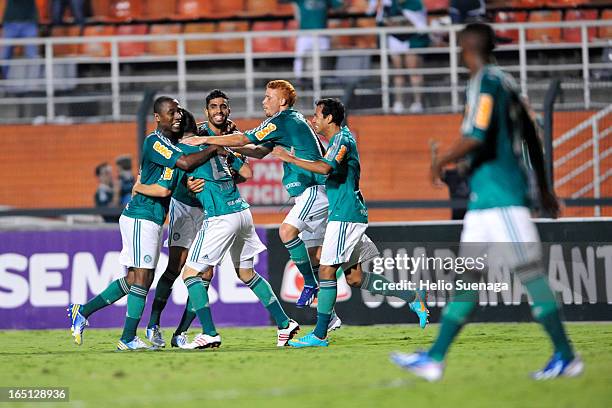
{"type": "Point", "coordinates": [132, 49]}
{"type": "Point", "coordinates": [97, 49]}
{"type": "Point", "coordinates": [231, 45]}
{"type": "Point", "coordinates": [160, 10]}
{"type": "Point", "coordinates": [194, 47]}
{"type": "Point", "coordinates": [545, 35]}
{"type": "Point", "coordinates": [63, 50]}
{"type": "Point", "coordinates": [163, 47]}
{"type": "Point", "coordinates": [194, 9]}
{"type": "Point", "coordinates": [268, 44]}
{"type": "Point", "coordinates": [574, 34]}
{"type": "Point", "coordinates": [126, 10]}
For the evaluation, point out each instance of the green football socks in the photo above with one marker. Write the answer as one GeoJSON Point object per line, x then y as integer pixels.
{"type": "Point", "coordinates": [266, 296]}
{"type": "Point", "coordinates": [299, 255]}
{"type": "Point", "coordinates": [135, 306]}
{"type": "Point", "coordinates": [113, 292]}
{"type": "Point", "coordinates": [162, 293]}
{"type": "Point", "coordinates": [198, 296]}
{"type": "Point", "coordinates": [328, 290]}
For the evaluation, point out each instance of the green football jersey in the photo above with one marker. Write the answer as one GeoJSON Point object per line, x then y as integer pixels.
{"type": "Point", "coordinates": [498, 177]}
{"type": "Point", "coordinates": [289, 129]}
{"type": "Point", "coordinates": [342, 185]}
{"type": "Point", "coordinates": [313, 13]}
{"type": "Point", "coordinates": [220, 195]}
{"type": "Point", "coordinates": [415, 12]}
{"type": "Point", "coordinates": [159, 156]}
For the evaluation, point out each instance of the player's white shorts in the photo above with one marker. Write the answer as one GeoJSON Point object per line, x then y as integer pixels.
{"type": "Point", "coordinates": [309, 214]}
{"type": "Point", "coordinates": [494, 226]}
{"type": "Point", "coordinates": [231, 232]}
{"type": "Point", "coordinates": [346, 243]}
{"type": "Point", "coordinates": [185, 222]}
{"type": "Point", "coordinates": [141, 241]}
{"type": "Point", "coordinates": [395, 45]}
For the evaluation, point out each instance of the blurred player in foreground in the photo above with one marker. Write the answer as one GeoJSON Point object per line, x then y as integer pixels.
{"type": "Point", "coordinates": [141, 225]}
{"type": "Point", "coordinates": [496, 126]}
{"type": "Point", "coordinates": [186, 217]}
{"type": "Point", "coordinates": [345, 244]}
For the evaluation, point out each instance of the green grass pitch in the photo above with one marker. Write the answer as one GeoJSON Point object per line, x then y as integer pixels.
{"type": "Point", "coordinates": [488, 367]}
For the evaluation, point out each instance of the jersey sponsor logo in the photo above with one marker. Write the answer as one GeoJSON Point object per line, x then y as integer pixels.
{"type": "Point", "coordinates": [176, 236]}
{"type": "Point", "coordinates": [147, 258]}
{"type": "Point", "coordinates": [167, 173]}
{"type": "Point", "coordinates": [341, 154]}
{"type": "Point", "coordinates": [485, 109]}
{"type": "Point", "coordinates": [261, 134]}
{"type": "Point", "coordinates": [162, 149]}
{"type": "Point", "coordinates": [294, 184]}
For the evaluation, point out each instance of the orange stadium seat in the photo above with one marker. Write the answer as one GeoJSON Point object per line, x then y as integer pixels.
{"type": "Point", "coordinates": [574, 34]}
{"type": "Point", "coordinates": [342, 41]}
{"type": "Point", "coordinates": [159, 10]}
{"type": "Point", "coordinates": [163, 47]}
{"type": "Point", "coordinates": [510, 17]}
{"type": "Point", "coordinates": [44, 10]}
{"type": "Point", "coordinates": [132, 49]}
{"type": "Point", "coordinates": [126, 10]}
{"type": "Point", "coordinates": [432, 5]}
{"type": "Point", "coordinates": [284, 9]}
{"type": "Point", "coordinates": [2, 7]}
{"type": "Point", "coordinates": [189, 9]}
{"type": "Point", "coordinates": [63, 50]}
{"type": "Point", "coordinates": [97, 49]}
{"type": "Point", "coordinates": [261, 7]}
{"type": "Point", "coordinates": [100, 9]}
{"type": "Point", "coordinates": [358, 6]}
{"type": "Point", "coordinates": [199, 46]}
{"type": "Point", "coordinates": [366, 41]}
{"type": "Point", "coordinates": [290, 41]}
{"type": "Point", "coordinates": [528, 3]}
{"type": "Point", "coordinates": [544, 34]}
{"type": "Point", "coordinates": [268, 44]}
{"type": "Point", "coordinates": [605, 32]}
{"type": "Point", "coordinates": [233, 45]}
{"type": "Point", "coordinates": [229, 8]}
{"type": "Point", "coordinates": [566, 3]}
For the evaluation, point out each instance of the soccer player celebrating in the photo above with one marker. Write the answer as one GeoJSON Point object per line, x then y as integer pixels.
{"type": "Point", "coordinates": [228, 228]}
{"type": "Point", "coordinates": [141, 226]}
{"type": "Point", "coordinates": [345, 244]}
{"type": "Point", "coordinates": [496, 126]}
{"type": "Point", "coordinates": [186, 216]}
{"type": "Point", "coordinates": [287, 127]}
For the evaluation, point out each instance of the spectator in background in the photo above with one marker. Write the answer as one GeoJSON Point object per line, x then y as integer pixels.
{"type": "Point", "coordinates": [126, 179]}
{"type": "Point", "coordinates": [77, 8]}
{"type": "Point", "coordinates": [310, 15]}
{"type": "Point", "coordinates": [105, 196]}
{"type": "Point", "coordinates": [20, 21]}
{"type": "Point", "coordinates": [467, 11]}
{"type": "Point", "coordinates": [404, 13]}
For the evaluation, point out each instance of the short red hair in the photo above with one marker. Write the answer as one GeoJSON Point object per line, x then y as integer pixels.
{"type": "Point", "coordinates": [285, 86]}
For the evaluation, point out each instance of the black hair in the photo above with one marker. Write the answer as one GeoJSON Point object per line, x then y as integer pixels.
{"type": "Point", "coordinates": [188, 123]}
{"type": "Point", "coordinates": [332, 106]}
{"type": "Point", "coordinates": [484, 35]}
{"type": "Point", "coordinates": [215, 93]}
{"type": "Point", "coordinates": [99, 168]}
{"type": "Point", "coordinates": [157, 105]}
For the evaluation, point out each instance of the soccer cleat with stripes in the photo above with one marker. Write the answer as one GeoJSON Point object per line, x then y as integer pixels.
{"type": "Point", "coordinates": [179, 340]}
{"type": "Point", "coordinates": [557, 367]}
{"type": "Point", "coordinates": [134, 345]}
{"type": "Point", "coordinates": [334, 324]}
{"type": "Point", "coordinates": [420, 364]}
{"type": "Point", "coordinates": [77, 322]}
{"type": "Point", "coordinates": [286, 334]}
{"type": "Point", "coordinates": [309, 340]}
{"type": "Point", "coordinates": [154, 335]}
{"type": "Point", "coordinates": [203, 341]}
{"type": "Point", "coordinates": [308, 295]}
{"type": "Point", "coordinates": [419, 307]}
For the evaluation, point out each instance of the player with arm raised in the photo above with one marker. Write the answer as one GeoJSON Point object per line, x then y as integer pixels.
{"type": "Point", "coordinates": [141, 226]}
{"type": "Point", "coordinates": [496, 126]}
{"type": "Point", "coordinates": [345, 244]}
{"type": "Point", "coordinates": [286, 127]}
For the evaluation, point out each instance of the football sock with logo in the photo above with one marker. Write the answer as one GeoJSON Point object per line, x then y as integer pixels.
{"type": "Point", "coordinates": [454, 317]}
{"type": "Point", "coordinates": [135, 306]}
{"type": "Point", "coordinates": [379, 285]}
{"type": "Point", "coordinates": [188, 314]}
{"type": "Point", "coordinates": [545, 310]}
{"type": "Point", "coordinates": [328, 289]}
{"type": "Point", "coordinates": [299, 255]}
{"type": "Point", "coordinates": [198, 296]}
{"type": "Point", "coordinates": [113, 292]}
{"type": "Point", "coordinates": [266, 296]}
{"type": "Point", "coordinates": [162, 293]}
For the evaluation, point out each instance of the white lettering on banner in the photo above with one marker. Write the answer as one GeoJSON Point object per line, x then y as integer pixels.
{"type": "Point", "coordinates": [584, 275]}
{"type": "Point", "coordinates": [87, 278]}
{"type": "Point", "coordinates": [44, 275]}
{"type": "Point", "coordinates": [605, 252]}
{"type": "Point", "coordinates": [265, 187]}
{"type": "Point", "coordinates": [14, 283]}
{"type": "Point", "coordinates": [557, 274]}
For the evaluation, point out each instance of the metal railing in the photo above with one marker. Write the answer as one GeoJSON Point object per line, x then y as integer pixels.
{"type": "Point", "coordinates": [599, 132]}
{"type": "Point", "coordinates": [444, 81]}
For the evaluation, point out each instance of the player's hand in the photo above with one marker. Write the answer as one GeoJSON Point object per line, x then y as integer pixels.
{"type": "Point", "coordinates": [550, 204]}
{"type": "Point", "coordinates": [282, 153]}
{"type": "Point", "coordinates": [195, 185]}
{"type": "Point", "coordinates": [230, 127]}
{"type": "Point", "coordinates": [436, 174]}
{"type": "Point", "coordinates": [135, 184]}
{"type": "Point", "coordinates": [222, 151]}
{"type": "Point", "coordinates": [196, 140]}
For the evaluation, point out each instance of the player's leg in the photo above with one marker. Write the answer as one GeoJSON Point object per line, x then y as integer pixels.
{"type": "Point", "coordinates": [137, 298]}
{"type": "Point", "coordinates": [414, 61]}
{"type": "Point", "coordinates": [314, 244]}
{"type": "Point", "coordinates": [399, 81]}
{"type": "Point", "coordinates": [198, 296]}
{"type": "Point", "coordinates": [524, 259]}
{"type": "Point", "coordinates": [302, 45]}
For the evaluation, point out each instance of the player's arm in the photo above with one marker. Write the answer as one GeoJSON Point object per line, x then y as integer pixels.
{"type": "Point", "coordinates": [318, 166]}
{"type": "Point", "coordinates": [189, 162]}
{"type": "Point", "coordinates": [152, 190]}
{"type": "Point", "coordinates": [457, 151]}
{"type": "Point", "coordinates": [239, 168]}
{"type": "Point", "coordinates": [251, 150]}
{"type": "Point", "coordinates": [233, 140]}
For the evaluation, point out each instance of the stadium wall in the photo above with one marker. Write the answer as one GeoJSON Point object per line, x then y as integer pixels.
{"type": "Point", "coordinates": [394, 156]}
{"type": "Point", "coordinates": [42, 271]}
